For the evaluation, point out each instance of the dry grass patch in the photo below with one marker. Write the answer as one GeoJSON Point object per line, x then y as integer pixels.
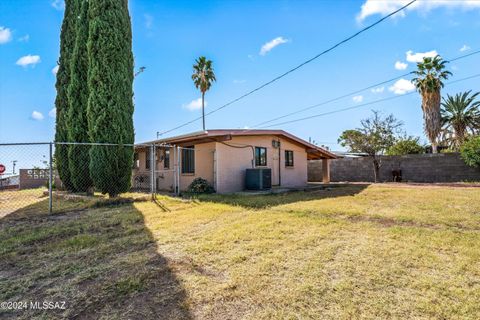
{"type": "Point", "coordinates": [353, 252]}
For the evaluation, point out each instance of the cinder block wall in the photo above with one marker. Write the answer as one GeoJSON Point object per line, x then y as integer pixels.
{"type": "Point", "coordinates": [35, 178]}
{"type": "Point", "coordinates": [442, 167]}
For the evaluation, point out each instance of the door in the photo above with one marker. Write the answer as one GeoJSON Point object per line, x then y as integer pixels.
{"type": "Point", "coordinates": [276, 158]}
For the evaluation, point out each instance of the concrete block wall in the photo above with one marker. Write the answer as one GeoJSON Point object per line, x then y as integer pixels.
{"type": "Point", "coordinates": [442, 167]}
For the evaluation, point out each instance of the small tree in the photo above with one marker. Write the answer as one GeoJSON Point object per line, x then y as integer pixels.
{"type": "Point", "coordinates": [374, 137]}
{"type": "Point", "coordinates": [470, 152]}
{"type": "Point", "coordinates": [406, 145]}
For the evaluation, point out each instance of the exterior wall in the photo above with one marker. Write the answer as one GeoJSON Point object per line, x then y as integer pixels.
{"type": "Point", "coordinates": [165, 177]}
{"type": "Point", "coordinates": [35, 178]}
{"type": "Point", "coordinates": [12, 182]}
{"type": "Point", "coordinates": [224, 166]}
{"type": "Point", "coordinates": [442, 167]}
{"type": "Point", "coordinates": [232, 162]}
{"type": "Point", "coordinates": [204, 154]}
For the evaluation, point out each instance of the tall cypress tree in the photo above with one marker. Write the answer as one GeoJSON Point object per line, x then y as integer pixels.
{"type": "Point", "coordinates": [110, 104]}
{"type": "Point", "coordinates": [67, 40]}
{"type": "Point", "coordinates": [78, 157]}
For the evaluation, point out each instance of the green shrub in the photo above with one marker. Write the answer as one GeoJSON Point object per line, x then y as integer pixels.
{"type": "Point", "coordinates": [470, 152]}
{"type": "Point", "coordinates": [404, 146]}
{"type": "Point", "coordinates": [200, 185]}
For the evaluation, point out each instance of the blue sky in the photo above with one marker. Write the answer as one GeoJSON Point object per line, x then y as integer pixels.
{"type": "Point", "coordinates": [169, 35]}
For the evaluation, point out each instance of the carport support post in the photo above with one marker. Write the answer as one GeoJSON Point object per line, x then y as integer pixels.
{"type": "Point", "coordinates": [50, 177]}
{"type": "Point", "coordinates": [153, 167]}
{"type": "Point", "coordinates": [326, 170]}
{"type": "Point", "coordinates": [178, 171]}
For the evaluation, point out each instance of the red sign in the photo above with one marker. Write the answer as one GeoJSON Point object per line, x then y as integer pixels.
{"type": "Point", "coordinates": [2, 168]}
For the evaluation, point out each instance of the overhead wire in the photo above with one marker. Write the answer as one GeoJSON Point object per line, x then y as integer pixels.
{"type": "Point", "coordinates": [292, 69]}
{"type": "Point", "coordinates": [363, 104]}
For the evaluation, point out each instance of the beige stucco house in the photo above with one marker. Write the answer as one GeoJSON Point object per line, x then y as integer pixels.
{"type": "Point", "coordinates": [222, 157]}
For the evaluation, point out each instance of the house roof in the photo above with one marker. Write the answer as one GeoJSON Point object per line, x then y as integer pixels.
{"type": "Point", "coordinates": [313, 151]}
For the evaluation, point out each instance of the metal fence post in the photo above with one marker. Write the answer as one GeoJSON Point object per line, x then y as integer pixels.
{"type": "Point", "coordinates": [50, 178]}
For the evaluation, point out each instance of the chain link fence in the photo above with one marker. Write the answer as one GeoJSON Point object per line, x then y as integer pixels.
{"type": "Point", "coordinates": [51, 177]}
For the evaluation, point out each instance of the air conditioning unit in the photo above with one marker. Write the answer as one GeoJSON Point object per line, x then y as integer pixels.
{"type": "Point", "coordinates": [258, 179]}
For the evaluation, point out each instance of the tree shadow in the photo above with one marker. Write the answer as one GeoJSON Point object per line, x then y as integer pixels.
{"type": "Point", "coordinates": [262, 201]}
{"type": "Point", "coordinates": [102, 262]}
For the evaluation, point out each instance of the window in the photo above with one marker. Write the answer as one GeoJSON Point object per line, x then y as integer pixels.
{"type": "Point", "coordinates": [188, 160]}
{"type": "Point", "coordinates": [260, 156]}
{"type": "Point", "coordinates": [288, 158]}
{"type": "Point", "coordinates": [166, 159]}
{"type": "Point", "coordinates": [147, 159]}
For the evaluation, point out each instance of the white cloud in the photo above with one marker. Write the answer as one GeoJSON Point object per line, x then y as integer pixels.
{"type": "Point", "coordinates": [465, 48]}
{"type": "Point", "coordinates": [418, 57]}
{"type": "Point", "coordinates": [55, 69]}
{"type": "Point", "coordinates": [58, 4]}
{"type": "Point", "coordinates": [25, 38]}
{"type": "Point", "coordinates": [52, 113]}
{"type": "Point", "coordinates": [36, 115]}
{"type": "Point", "coordinates": [401, 65]}
{"type": "Point", "coordinates": [148, 20]}
{"type": "Point", "coordinates": [378, 90]}
{"type": "Point", "coordinates": [272, 44]}
{"type": "Point", "coordinates": [357, 99]}
{"type": "Point", "coordinates": [5, 35]}
{"type": "Point", "coordinates": [28, 60]}
{"type": "Point", "coordinates": [239, 81]}
{"type": "Point", "coordinates": [402, 86]}
{"type": "Point", "coordinates": [373, 7]}
{"type": "Point", "coordinates": [194, 105]}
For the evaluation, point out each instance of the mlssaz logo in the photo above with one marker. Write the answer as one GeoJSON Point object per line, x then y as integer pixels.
{"type": "Point", "coordinates": [47, 305]}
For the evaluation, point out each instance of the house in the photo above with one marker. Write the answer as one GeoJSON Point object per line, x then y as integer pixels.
{"type": "Point", "coordinates": [222, 157]}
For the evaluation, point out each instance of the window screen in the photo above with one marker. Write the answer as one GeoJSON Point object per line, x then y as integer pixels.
{"type": "Point", "coordinates": [260, 156]}
{"type": "Point", "coordinates": [188, 160]}
{"type": "Point", "coordinates": [288, 158]}
{"type": "Point", "coordinates": [166, 159]}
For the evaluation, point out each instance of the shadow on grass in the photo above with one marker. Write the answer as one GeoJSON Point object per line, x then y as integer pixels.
{"type": "Point", "coordinates": [103, 262]}
{"type": "Point", "coordinates": [262, 201]}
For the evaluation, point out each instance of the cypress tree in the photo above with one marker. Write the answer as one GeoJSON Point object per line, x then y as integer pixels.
{"type": "Point", "coordinates": [78, 157]}
{"type": "Point", "coordinates": [67, 40]}
{"type": "Point", "coordinates": [110, 104]}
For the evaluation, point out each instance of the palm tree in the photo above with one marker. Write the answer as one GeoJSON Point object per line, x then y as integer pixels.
{"type": "Point", "coordinates": [460, 117]}
{"type": "Point", "coordinates": [429, 81]}
{"type": "Point", "coordinates": [202, 77]}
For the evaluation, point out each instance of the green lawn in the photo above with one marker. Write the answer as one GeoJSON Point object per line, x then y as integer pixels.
{"type": "Point", "coordinates": [366, 252]}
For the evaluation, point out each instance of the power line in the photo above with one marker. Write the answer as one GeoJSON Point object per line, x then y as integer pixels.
{"type": "Point", "coordinates": [293, 69]}
{"type": "Point", "coordinates": [361, 105]}
{"type": "Point", "coordinates": [352, 93]}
